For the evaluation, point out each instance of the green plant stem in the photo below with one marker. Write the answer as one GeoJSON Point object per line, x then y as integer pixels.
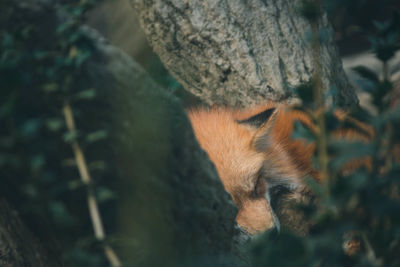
{"type": "Point", "coordinates": [323, 158]}
{"type": "Point", "coordinates": [87, 180]}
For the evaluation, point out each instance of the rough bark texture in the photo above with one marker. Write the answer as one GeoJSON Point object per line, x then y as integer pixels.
{"type": "Point", "coordinates": [237, 52]}
{"type": "Point", "coordinates": [18, 246]}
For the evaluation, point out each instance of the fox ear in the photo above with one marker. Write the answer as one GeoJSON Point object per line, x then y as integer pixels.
{"type": "Point", "coordinates": [260, 119]}
{"type": "Point", "coordinates": [262, 137]}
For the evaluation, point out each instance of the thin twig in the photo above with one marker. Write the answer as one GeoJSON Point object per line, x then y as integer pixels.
{"type": "Point", "coordinates": [87, 180]}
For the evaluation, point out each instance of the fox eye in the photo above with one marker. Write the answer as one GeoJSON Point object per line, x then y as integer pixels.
{"type": "Point", "coordinates": [278, 195]}
{"type": "Point", "coordinates": [260, 187]}
{"type": "Point", "coordinates": [279, 191]}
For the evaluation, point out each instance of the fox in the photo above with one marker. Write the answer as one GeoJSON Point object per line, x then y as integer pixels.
{"type": "Point", "coordinates": [258, 162]}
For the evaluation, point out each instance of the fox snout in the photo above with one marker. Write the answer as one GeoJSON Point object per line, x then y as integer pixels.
{"type": "Point", "coordinates": [257, 216]}
{"type": "Point", "coordinates": [249, 157]}
{"type": "Point", "coordinates": [261, 166]}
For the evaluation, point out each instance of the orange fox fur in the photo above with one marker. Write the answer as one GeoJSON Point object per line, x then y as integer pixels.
{"type": "Point", "coordinates": [254, 157]}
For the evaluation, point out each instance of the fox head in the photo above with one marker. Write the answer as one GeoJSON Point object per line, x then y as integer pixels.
{"type": "Point", "coordinates": [255, 158]}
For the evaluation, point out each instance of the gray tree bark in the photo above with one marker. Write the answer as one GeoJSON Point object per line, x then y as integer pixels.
{"type": "Point", "coordinates": [18, 246]}
{"type": "Point", "coordinates": [240, 52]}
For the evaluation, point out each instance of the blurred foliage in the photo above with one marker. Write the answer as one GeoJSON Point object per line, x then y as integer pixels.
{"type": "Point", "coordinates": [40, 60]}
{"type": "Point", "coordinates": [353, 19]}
{"type": "Point", "coordinates": [355, 220]}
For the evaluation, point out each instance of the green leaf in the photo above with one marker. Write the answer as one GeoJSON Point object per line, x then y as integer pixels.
{"type": "Point", "coordinates": [86, 94]}
{"type": "Point", "coordinates": [70, 136]}
{"type": "Point", "coordinates": [82, 56]}
{"type": "Point", "coordinates": [54, 124]}
{"type": "Point", "coordinates": [381, 26]}
{"type": "Point", "coordinates": [358, 180]}
{"type": "Point", "coordinates": [75, 184]}
{"type": "Point", "coordinates": [8, 106]}
{"type": "Point", "coordinates": [50, 87]}
{"type": "Point", "coordinates": [30, 190]}
{"type": "Point", "coordinates": [366, 73]}
{"type": "Point", "coordinates": [60, 213]}
{"type": "Point", "coordinates": [31, 127]}
{"type": "Point", "coordinates": [385, 46]}
{"type": "Point", "coordinates": [8, 40]}
{"type": "Point", "coordinates": [104, 194]}
{"type": "Point", "coordinates": [97, 165]}
{"type": "Point", "coordinates": [37, 162]}
{"type": "Point", "coordinates": [61, 28]}
{"type": "Point", "coordinates": [96, 136]}
{"type": "Point", "coordinates": [346, 151]}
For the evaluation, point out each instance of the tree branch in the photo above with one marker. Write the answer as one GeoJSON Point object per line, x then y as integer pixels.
{"type": "Point", "coordinates": [238, 52]}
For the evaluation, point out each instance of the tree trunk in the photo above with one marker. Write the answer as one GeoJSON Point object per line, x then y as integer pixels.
{"type": "Point", "coordinates": [172, 203]}
{"type": "Point", "coordinates": [239, 52]}
{"type": "Point", "coordinates": [18, 246]}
